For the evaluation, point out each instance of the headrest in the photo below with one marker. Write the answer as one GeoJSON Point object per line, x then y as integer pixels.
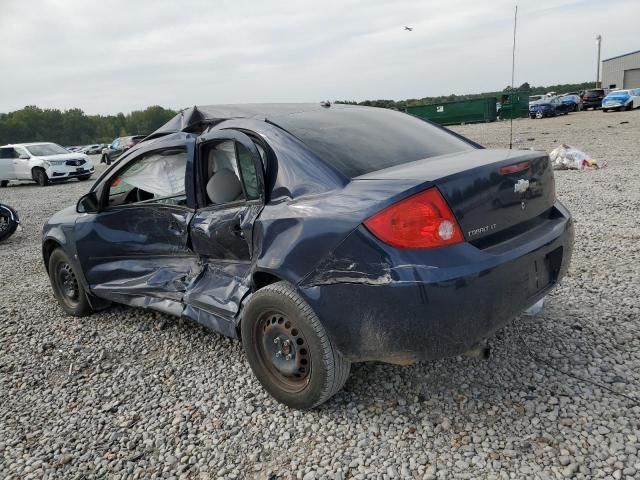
{"type": "Point", "coordinates": [224, 186]}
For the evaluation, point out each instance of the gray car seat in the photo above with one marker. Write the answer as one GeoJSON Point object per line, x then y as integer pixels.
{"type": "Point", "coordinates": [224, 187]}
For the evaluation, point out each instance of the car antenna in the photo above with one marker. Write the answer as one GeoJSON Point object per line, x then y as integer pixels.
{"type": "Point", "coordinates": [513, 71]}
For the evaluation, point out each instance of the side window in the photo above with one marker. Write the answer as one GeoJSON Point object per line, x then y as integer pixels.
{"type": "Point", "coordinates": [247, 172]}
{"type": "Point", "coordinates": [6, 153]}
{"type": "Point", "coordinates": [230, 174]}
{"type": "Point", "coordinates": [20, 153]}
{"type": "Point", "coordinates": [155, 177]}
{"type": "Point", "coordinates": [114, 144]}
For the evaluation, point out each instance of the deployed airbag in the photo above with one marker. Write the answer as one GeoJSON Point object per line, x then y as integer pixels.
{"type": "Point", "coordinates": [159, 174]}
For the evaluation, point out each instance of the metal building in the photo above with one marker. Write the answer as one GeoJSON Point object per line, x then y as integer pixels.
{"type": "Point", "coordinates": [622, 71]}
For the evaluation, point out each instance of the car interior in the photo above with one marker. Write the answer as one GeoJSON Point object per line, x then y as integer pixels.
{"type": "Point", "coordinates": [154, 177]}
{"type": "Point", "coordinates": [231, 173]}
{"type": "Point", "coordinates": [224, 184]}
{"type": "Point", "coordinates": [159, 177]}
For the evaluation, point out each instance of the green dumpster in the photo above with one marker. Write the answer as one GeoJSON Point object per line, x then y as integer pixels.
{"type": "Point", "coordinates": [462, 111]}
{"type": "Point", "coordinates": [514, 104]}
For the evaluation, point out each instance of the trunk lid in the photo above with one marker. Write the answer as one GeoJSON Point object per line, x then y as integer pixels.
{"type": "Point", "coordinates": [489, 191]}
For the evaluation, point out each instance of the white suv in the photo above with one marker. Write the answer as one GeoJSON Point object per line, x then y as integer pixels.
{"type": "Point", "coordinates": [42, 162]}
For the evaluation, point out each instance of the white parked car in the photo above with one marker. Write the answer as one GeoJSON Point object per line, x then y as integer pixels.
{"type": "Point", "coordinates": [43, 163]}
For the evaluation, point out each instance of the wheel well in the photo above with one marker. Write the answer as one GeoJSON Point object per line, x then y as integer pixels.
{"type": "Point", "coordinates": [47, 249]}
{"type": "Point", "coordinates": [33, 170]}
{"type": "Point", "coordinates": [262, 279]}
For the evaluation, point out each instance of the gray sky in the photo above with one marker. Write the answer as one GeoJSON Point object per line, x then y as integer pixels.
{"type": "Point", "coordinates": [112, 56]}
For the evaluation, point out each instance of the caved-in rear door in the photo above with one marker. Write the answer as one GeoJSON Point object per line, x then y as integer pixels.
{"type": "Point", "coordinates": [231, 195]}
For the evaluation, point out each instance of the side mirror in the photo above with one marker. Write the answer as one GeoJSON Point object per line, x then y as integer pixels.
{"type": "Point", "coordinates": [24, 156]}
{"type": "Point", "coordinates": [88, 203]}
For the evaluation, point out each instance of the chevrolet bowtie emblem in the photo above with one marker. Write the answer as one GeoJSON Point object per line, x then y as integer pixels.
{"type": "Point", "coordinates": [521, 186]}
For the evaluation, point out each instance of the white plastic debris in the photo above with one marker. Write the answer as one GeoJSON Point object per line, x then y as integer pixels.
{"type": "Point", "coordinates": [535, 308]}
{"type": "Point", "coordinates": [566, 157]}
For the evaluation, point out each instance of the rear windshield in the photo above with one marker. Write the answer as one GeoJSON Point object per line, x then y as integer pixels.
{"type": "Point", "coordinates": [357, 141]}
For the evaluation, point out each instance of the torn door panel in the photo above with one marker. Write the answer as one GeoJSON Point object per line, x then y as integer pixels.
{"type": "Point", "coordinates": [219, 288]}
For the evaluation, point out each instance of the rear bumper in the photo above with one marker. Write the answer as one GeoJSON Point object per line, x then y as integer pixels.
{"type": "Point", "coordinates": [440, 307]}
{"type": "Point", "coordinates": [591, 104]}
{"type": "Point", "coordinates": [615, 106]}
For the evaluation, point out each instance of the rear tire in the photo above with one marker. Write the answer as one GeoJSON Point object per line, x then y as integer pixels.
{"type": "Point", "coordinates": [289, 350]}
{"type": "Point", "coordinates": [4, 183]}
{"type": "Point", "coordinates": [40, 176]}
{"type": "Point", "coordinates": [630, 106]}
{"type": "Point", "coordinates": [604, 110]}
{"type": "Point", "coordinates": [66, 286]}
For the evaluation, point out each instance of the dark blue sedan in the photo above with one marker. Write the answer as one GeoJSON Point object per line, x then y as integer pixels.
{"type": "Point", "coordinates": [320, 234]}
{"type": "Point", "coordinates": [548, 107]}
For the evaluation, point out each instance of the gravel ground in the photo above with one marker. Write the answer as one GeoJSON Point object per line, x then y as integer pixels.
{"type": "Point", "coordinates": [128, 393]}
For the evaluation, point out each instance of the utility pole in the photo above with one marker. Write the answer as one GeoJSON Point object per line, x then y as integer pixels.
{"type": "Point", "coordinates": [599, 40]}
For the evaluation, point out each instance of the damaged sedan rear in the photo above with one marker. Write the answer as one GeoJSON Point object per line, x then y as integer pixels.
{"type": "Point", "coordinates": [320, 234]}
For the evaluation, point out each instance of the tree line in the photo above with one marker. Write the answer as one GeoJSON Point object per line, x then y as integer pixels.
{"type": "Point", "coordinates": [402, 104]}
{"type": "Point", "coordinates": [74, 127]}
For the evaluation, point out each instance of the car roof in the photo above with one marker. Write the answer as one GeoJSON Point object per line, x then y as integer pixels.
{"type": "Point", "coordinates": [194, 118]}
{"type": "Point", "coordinates": [626, 90]}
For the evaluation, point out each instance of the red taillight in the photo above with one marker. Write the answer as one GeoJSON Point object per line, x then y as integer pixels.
{"type": "Point", "coordinates": [423, 220]}
{"type": "Point", "coordinates": [515, 168]}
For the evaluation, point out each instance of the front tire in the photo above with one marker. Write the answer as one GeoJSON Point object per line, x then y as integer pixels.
{"type": "Point", "coordinates": [40, 176]}
{"type": "Point", "coordinates": [289, 350]}
{"type": "Point", "coordinates": [66, 285]}
{"type": "Point", "coordinates": [84, 178]}
{"type": "Point", "coordinates": [4, 183]}
{"type": "Point", "coordinates": [630, 106]}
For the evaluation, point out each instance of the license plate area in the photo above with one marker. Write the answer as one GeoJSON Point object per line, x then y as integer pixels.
{"type": "Point", "coordinates": [80, 170]}
{"type": "Point", "coordinates": [544, 270]}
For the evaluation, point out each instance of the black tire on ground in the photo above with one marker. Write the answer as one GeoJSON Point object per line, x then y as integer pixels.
{"type": "Point", "coordinates": [289, 350]}
{"type": "Point", "coordinates": [84, 177]}
{"type": "Point", "coordinates": [4, 183]}
{"type": "Point", "coordinates": [630, 106]}
{"type": "Point", "coordinates": [604, 110]}
{"type": "Point", "coordinates": [8, 225]}
{"type": "Point", "coordinates": [66, 286]}
{"type": "Point", "coordinates": [40, 176]}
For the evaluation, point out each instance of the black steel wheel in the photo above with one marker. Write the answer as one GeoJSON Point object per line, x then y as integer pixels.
{"type": "Point", "coordinates": [283, 350]}
{"type": "Point", "coordinates": [40, 176]}
{"type": "Point", "coordinates": [66, 286]}
{"type": "Point", "coordinates": [288, 349]}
